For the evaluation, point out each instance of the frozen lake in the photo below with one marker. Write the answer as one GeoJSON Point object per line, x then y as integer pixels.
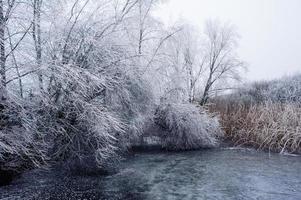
{"type": "Point", "coordinates": [208, 174]}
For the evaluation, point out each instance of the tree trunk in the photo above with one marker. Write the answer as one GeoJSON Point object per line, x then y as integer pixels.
{"type": "Point", "coordinates": [37, 39]}
{"type": "Point", "coordinates": [2, 55]}
{"type": "Point", "coordinates": [191, 86]}
{"type": "Point", "coordinates": [205, 96]}
{"type": "Point", "coordinates": [206, 90]}
{"type": "Point", "coordinates": [140, 29]}
{"type": "Point", "coordinates": [140, 41]}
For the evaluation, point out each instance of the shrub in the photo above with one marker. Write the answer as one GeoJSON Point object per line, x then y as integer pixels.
{"type": "Point", "coordinates": [186, 127]}
{"type": "Point", "coordinates": [284, 90]}
{"type": "Point", "coordinates": [22, 146]}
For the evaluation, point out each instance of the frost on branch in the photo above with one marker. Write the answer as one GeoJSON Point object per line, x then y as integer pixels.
{"type": "Point", "coordinates": [92, 110]}
{"type": "Point", "coordinates": [186, 127]}
{"type": "Point", "coordinates": [22, 146]}
{"type": "Point", "coordinates": [82, 129]}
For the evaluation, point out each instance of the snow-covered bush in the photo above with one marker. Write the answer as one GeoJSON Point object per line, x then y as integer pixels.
{"type": "Point", "coordinates": [22, 146]}
{"type": "Point", "coordinates": [283, 90]}
{"type": "Point", "coordinates": [186, 127]}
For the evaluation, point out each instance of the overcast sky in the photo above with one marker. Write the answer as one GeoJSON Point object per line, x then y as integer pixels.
{"type": "Point", "coordinates": [270, 30]}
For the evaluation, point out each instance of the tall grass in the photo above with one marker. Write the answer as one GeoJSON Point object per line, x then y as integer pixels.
{"type": "Point", "coordinates": [270, 126]}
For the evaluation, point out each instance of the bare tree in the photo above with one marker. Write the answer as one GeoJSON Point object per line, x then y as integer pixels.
{"type": "Point", "coordinates": [185, 61]}
{"type": "Point", "coordinates": [222, 62]}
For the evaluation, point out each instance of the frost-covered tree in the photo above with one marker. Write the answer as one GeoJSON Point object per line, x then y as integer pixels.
{"type": "Point", "coordinates": [222, 61]}
{"type": "Point", "coordinates": [95, 93]}
{"type": "Point", "coordinates": [185, 60]}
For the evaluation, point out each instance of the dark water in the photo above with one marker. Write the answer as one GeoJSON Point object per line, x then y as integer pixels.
{"type": "Point", "coordinates": [210, 174]}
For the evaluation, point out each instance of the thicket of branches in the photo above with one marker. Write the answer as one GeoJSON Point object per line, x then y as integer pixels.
{"type": "Point", "coordinates": [22, 145]}
{"type": "Point", "coordinates": [81, 96]}
{"type": "Point", "coordinates": [80, 79]}
{"type": "Point", "coordinates": [186, 127]}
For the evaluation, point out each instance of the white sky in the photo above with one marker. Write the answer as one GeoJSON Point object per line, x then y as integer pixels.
{"type": "Point", "coordinates": [270, 30]}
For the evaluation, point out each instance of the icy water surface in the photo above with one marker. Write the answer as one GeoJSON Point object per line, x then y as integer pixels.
{"type": "Point", "coordinates": [209, 174]}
